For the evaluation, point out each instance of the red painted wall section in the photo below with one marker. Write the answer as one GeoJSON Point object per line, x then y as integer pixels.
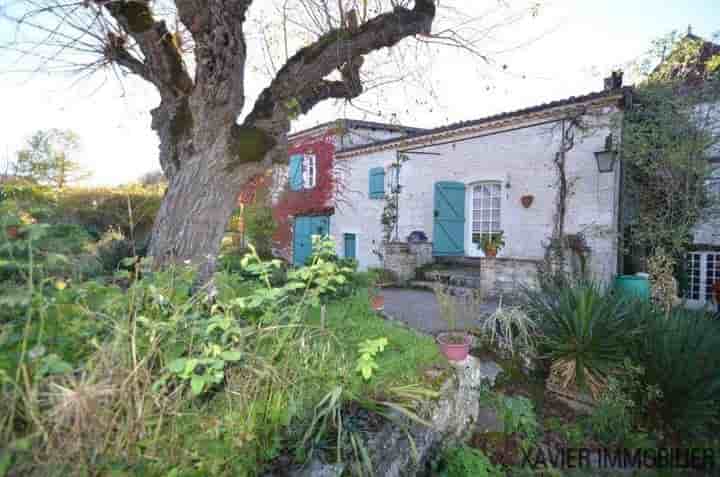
{"type": "Point", "coordinates": [315, 201]}
{"type": "Point", "coordinates": [290, 203]}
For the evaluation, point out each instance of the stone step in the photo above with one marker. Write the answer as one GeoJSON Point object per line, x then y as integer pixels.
{"type": "Point", "coordinates": [459, 278]}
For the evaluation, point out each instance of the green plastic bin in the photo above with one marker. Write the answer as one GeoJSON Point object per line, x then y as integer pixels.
{"type": "Point", "coordinates": [633, 286]}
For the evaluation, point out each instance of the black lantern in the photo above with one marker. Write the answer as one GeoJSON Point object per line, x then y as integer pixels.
{"type": "Point", "coordinates": [606, 158]}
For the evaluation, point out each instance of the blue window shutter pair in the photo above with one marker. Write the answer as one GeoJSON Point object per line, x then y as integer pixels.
{"type": "Point", "coordinates": [377, 183]}
{"type": "Point", "coordinates": [295, 173]}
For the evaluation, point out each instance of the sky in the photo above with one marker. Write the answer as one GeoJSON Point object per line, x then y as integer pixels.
{"type": "Point", "coordinates": [566, 50]}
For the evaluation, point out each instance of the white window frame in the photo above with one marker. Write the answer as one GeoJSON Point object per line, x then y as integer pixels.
{"type": "Point", "coordinates": [309, 171]}
{"type": "Point", "coordinates": [494, 226]}
{"type": "Point", "coordinates": [703, 268]}
{"type": "Point", "coordinates": [712, 184]}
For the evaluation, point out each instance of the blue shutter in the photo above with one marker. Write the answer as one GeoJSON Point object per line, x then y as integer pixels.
{"type": "Point", "coordinates": [449, 219]}
{"type": "Point", "coordinates": [295, 172]}
{"type": "Point", "coordinates": [377, 183]}
{"type": "Point", "coordinates": [350, 246]}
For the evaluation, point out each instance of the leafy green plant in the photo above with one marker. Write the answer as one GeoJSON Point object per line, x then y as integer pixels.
{"type": "Point", "coordinates": [366, 363]}
{"type": "Point", "coordinates": [518, 417]}
{"type": "Point", "coordinates": [112, 248]}
{"type": "Point", "coordinates": [584, 333]}
{"type": "Point", "coordinates": [464, 461]}
{"type": "Point", "coordinates": [492, 243]}
{"type": "Point", "coordinates": [678, 353]}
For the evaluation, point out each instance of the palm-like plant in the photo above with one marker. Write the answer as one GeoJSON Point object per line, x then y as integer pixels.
{"type": "Point", "coordinates": [584, 333]}
{"type": "Point", "coordinates": [679, 353]}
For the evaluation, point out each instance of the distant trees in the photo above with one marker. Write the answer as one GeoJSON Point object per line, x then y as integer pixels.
{"type": "Point", "coordinates": [153, 178]}
{"type": "Point", "coordinates": [47, 158]}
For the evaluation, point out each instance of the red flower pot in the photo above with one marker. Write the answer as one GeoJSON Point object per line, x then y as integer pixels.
{"type": "Point", "coordinates": [490, 252]}
{"type": "Point", "coordinates": [377, 302]}
{"type": "Point", "coordinates": [455, 346]}
{"type": "Point", "coordinates": [527, 200]}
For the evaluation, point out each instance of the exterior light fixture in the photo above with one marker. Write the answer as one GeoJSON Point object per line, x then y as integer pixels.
{"type": "Point", "coordinates": [607, 157]}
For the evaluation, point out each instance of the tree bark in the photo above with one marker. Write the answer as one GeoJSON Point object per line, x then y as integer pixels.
{"type": "Point", "coordinates": [206, 156]}
{"type": "Point", "coordinates": [197, 206]}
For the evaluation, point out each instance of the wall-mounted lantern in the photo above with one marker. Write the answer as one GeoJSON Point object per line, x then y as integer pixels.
{"type": "Point", "coordinates": [607, 157]}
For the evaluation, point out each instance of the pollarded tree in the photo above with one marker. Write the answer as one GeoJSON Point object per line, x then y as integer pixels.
{"type": "Point", "coordinates": [205, 152]}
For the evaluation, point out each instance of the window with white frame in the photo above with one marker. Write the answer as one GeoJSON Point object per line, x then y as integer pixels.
{"type": "Point", "coordinates": [486, 210]}
{"type": "Point", "coordinates": [713, 183]}
{"type": "Point", "coordinates": [309, 171]}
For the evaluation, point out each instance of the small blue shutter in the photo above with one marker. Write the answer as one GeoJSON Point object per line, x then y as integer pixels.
{"type": "Point", "coordinates": [295, 172]}
{"type": "Point", "coordinates": [377, 183]}
{"type": "Point", "coordinates": [350, 246]}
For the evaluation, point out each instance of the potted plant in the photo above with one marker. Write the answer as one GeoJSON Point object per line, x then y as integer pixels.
{"type": "Point", "coordinates": [492, 243]}
{"type": "Point", "coordinates": [454, 344]}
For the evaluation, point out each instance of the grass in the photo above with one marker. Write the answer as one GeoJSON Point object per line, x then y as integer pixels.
{"type": "Point", "coordinates": [404, 361]}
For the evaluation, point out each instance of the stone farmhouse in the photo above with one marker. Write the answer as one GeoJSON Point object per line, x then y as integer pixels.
{"type": "Point", "coordinates": [501, 174]}
{"type": "Point", "coordinates": [406, 198]}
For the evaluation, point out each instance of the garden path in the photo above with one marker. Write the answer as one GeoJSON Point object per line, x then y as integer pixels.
{"type": "Point", "coordinates": [420, 310]}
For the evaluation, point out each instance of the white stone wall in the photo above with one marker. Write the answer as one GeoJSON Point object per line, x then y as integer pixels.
{"type": "Point", "coordinates": [522, 160]}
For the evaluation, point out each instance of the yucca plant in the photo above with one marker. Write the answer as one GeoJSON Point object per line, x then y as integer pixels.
{"type": "Point", "coordinates": [584, 333]}
{"type": "Point", "coordinates": [679, 353]}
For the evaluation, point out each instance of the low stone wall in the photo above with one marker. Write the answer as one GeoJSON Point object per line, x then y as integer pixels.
{"type": "Point", "coordinates": [401, 447]}
{"type": "Point", "coordinates": [403, 258]}
{"type": "Point", "coordinates": [495, 276]}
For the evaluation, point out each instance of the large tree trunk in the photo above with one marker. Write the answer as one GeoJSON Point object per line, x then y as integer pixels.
{"type": "Point", "coordinates": [197, 206]}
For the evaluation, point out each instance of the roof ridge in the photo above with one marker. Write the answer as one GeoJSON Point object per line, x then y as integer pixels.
{"type": "Point", "coordinates": [624, 90]}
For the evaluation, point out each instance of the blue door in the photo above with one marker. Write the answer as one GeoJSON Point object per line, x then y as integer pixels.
{"type": "Point", "coordinates": [449, 219]}
{"type": "Point", "coordinates": [305, 228]}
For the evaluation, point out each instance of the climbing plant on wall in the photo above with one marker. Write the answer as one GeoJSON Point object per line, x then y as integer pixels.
{"type": "Point", "coordinates": [668, 133]}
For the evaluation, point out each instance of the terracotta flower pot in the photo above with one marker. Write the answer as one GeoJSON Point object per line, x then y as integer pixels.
{"type": "Point", "coordinates": [455, 346]}
{"type": "Point", "coordinates": [490, 252]}
{"type": "Point", "coordinates": [527, 200]}
{"type": "Point", "coordinates": [377, 302]}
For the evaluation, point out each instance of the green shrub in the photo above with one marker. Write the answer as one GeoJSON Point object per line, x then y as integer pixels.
{"type": "Point", "coordinates": [585, 332]}
{"type": "Point", "coordinates": [99, 209]}
{"type": "Point", "coordinates": [112, 249]}
{"type": "Point", "coordinates": [464, 461]}
{"type": "Point", "coordinates": [679, 353]}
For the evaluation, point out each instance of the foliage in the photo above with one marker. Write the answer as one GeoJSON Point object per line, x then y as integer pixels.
{"type": "Point", "coordinates": [455, 304]}
{"type": "Point", "coordinates": [611, 421]}
{"type": "Point", "coordinates": [585, 331]}
{"type": "Point", "coordinates": [512, 329]}
{"type": "Point", "coordinates": [112, 249]}
{"type": "Point", "coordinates": [678, 352]}
{"type": "Point", "coordinates": [148, 378]}
{"type": "Point", "coordinates": [366, 363]}
{"type": "Point", "coordinates": [47, 159]}
{"type": "Point", "coordinates": [130, 208]}
{"type": "Point", "coordinates": [259, 224]}
{"type": "Point", "coordinates": [45, 250]}
{"type": "Point", "coordinates": [670, 129]}
{"type": "Point", "coordinates": [518, 417]}
{"type": "Point", "coordinates": [389, 217]}
{"type": "Point", "coordinates": [464, 461]}
{"type": "Point", "coordinates": [494, 241]}
{"type": "Point", "coordinates": [664, 288]}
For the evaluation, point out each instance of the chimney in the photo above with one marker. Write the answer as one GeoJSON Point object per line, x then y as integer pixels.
{"type": "Point", "coordinates": [614, 81]}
